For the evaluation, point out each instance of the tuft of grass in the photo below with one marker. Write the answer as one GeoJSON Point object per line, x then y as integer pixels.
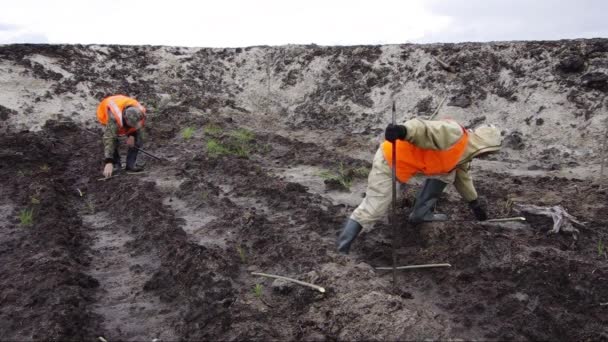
{"type": "Point", "coordinates": [215, 148]}
{"type": "Point", "coordinates": [212, 129]}
{"type": "Point", "coordinates": [257, 290]}
{"type": "Point", "coordinates": [26, 216]}
{"type": "Point", "coordinates": [237, 143]}
{"type": "Point", "coordinates": [344, 175]}
{"type": "Point", "coordinates": [601, 249]}
{"type": "Point", "coordinates": [242, 135]}
{"type": "Point", "coordinates": [90, 206]}
{"type": "Point", "coordinates": [242, 254]}
{"type": "Point", "coordinates": [360, 172]}
{"type": "Point", "coordinates": [188, 132]}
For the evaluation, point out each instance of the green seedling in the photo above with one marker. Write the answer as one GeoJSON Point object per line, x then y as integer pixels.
{"type": "Point", "coordinates": [601, 249]}
{"type": "Point", "coordinates": [242, 135]}
{"type": "Point", "coordinates": [26, 216]}
{"type": "Point", "coordinates": [212, 129]}
{"type": "Point", "coordinates": [242, 254]}
{"type": "Point", "coordinates": [237, 143]}
{"type": "Point", "coordinates": [90, 206]}
{"type": "Point", "coordinates": [215, 148]}
{"type": "Point", "coordinates": [187, 133]}
{"type": "Point", "coordinates": [344, 175]}
{"type": "Point", "coordinates": [257, 290]}
{"type": "Point", "coordinates": [346, 182]}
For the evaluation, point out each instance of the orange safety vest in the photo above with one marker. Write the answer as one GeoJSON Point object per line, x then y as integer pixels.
{"type": "Point", "coordinates": [116, 104]}
{"type": "Point", "coordinates": [412, 159]}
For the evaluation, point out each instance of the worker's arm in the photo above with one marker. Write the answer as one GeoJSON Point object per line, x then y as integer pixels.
{"type": "Point", "coordinates": [464, 185]}
{"type": "Point", "coordinates": [110, 139]}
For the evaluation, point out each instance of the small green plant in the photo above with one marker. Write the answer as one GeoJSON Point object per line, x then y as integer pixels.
{"type": "Point", "coordinates": [242, 254]}
{"type": "Point", "coordinates": [257, 290]}
{"type": "Point", "coordinates": [187, 133]}
{"type": "Point", "coordinates": [360, 172]}
{"type": "Point", "coordinates": [215, 148]}
{"type": "Point", "coordinates": [90, 206]}
{"type": "Point", "coordinates": [237, 143]}
{"type": "Point", "coordinates": [343, 176]}
{"type": "Point", "coordinates": [212, 129]}
{"type": "Point", "coordinates": [601, 249]}
{"type": "Point", "coordinates": [242, 135]}
{"type": "Point", "coordinates": [26, 216]}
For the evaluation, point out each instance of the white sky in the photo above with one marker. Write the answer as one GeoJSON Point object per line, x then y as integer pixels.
{"type": "Point", "coordinates": [232, 23]}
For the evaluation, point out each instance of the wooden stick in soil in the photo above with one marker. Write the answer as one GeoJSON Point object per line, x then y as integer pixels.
{"type": "Point", "coordinates": [410, 267]}
{"type": "Point", "coordinates": [393, 216]}
{"type": "Point", "coordinates": [303, 283]}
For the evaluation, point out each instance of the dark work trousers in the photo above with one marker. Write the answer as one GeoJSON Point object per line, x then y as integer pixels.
{"type": "Point", "coordinates": [131, 155]}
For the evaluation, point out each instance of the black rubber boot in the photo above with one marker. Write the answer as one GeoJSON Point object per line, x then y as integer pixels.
{"type": "Point", "coordinates": [425, 201]}
{"type": "Point", "coordinates": [132, 160]}
{"type": "Point", "coordinates": [117, 163]}
{"type": "Point", "coordinates": [349, 233]}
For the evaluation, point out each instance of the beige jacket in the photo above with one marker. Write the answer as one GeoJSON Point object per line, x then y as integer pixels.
{"type": "Point", "coordinates": [441, 135]}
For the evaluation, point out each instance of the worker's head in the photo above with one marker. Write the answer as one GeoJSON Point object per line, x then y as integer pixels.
{"type": "Point", "coordinates": [133, 117]}
{"type": "Point", "coordinates": [485, 139]}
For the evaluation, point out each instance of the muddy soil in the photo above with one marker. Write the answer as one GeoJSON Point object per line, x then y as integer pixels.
{"type": "Point", "coordinates": [266, 179]}
{"type": "Point", "coordinates": [169, 253]}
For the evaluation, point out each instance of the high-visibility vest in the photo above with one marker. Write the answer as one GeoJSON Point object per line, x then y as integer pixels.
{"type": "Point", "coordinates": [412, 159]}
{"type": "Point", "coordinates": [115, 105]}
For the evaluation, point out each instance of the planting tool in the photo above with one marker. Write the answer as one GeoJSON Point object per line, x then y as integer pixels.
{"type": "Point", "coordinates": [393, 217]}
{"type": "Point", "coordinates": [438, 108]}
{"type": "Point", "coordinates": [313, 286]}
{"type": "Point", "coordinates": [507, 219]}
{"type": "Point", "coordinates": [414, 267]}
{"type": "Point", "coordinates": [148, 153]}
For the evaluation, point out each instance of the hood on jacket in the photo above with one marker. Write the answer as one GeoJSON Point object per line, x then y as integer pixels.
{"type": "Point", "coordinates": [484, 139]}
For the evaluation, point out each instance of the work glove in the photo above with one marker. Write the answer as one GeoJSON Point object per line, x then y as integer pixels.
{"type": "Point", "coordinates": [394, 132]}
{"type": "Point", "coordinates": [478, 210]}
{"type": "Point", "coordinates": [107, 170]}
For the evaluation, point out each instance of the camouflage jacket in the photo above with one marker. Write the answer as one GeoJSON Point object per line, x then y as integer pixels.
{"type": "Point", "coordinates": [110, 139]}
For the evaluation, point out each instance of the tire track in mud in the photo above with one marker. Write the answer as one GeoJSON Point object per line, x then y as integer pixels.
{"type": "Point", "coordinates": [127, 311]}
{"type": "Point", "coordinates": [188, 279]}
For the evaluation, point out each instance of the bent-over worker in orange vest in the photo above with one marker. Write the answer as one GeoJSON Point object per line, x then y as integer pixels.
{"type": "Point", "coordinates": [121, 115]}
{"type": "Point", "coordinates": [441, 150]}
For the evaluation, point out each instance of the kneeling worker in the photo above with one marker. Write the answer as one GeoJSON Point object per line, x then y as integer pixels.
{"type": "Point", "coordinates": [440, 149]}
{"type": "Point", "coordinates": [121, 115]}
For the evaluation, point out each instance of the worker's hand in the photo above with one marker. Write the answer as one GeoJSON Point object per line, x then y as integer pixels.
{"type": "Point", "coordinates": [478, 210]}
{"type": "Point", "coordinates": [131, 141]}
{"type": "Point", "coordinates": [107, 170]}
{"type": "Point", "coordinates": [394, 132]}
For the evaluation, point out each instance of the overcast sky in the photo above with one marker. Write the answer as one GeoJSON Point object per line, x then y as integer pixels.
{"type": "Point", "coordinates": [232, 23]}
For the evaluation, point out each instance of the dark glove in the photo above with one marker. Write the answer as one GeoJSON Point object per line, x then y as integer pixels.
{"type": "Point", "coordinates": [478, 210]}
{"type": "Point", "coordinates": [394, 132]}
